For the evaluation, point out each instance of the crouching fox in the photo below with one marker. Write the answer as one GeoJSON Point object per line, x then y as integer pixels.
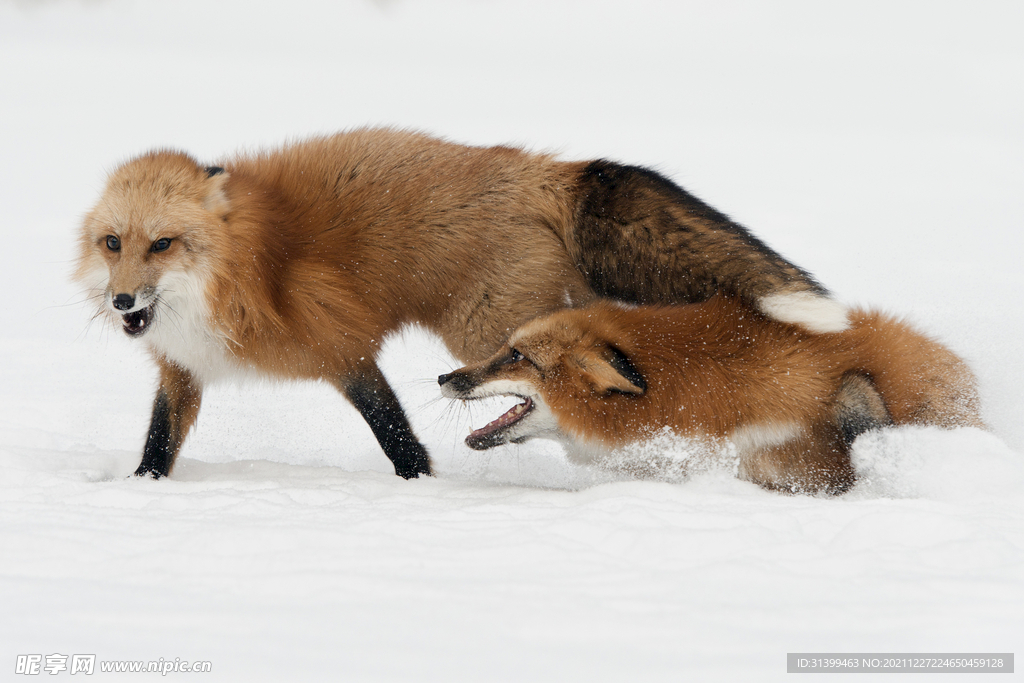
{"type": "Point", "coordinates": [606, 376]}
{"type": "Point", "coordinates": [297, 262]}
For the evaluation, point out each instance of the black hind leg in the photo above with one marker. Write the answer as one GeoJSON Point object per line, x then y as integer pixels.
{"type": "Point", "coordinates": [372, 396]}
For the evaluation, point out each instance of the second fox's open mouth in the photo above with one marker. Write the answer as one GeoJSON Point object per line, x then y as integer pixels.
{"type": "Point", "coordinates": [137, 322]}
{"type": "Point", "coordinates": [493, 433]}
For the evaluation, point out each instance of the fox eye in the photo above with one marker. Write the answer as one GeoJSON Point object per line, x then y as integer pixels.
{"type": "Point", "coordinates": [162, 244]}
{"type": "Point", "coordinates": [113, 243]}
{"type": "Point", "coordinates": [515, 356]}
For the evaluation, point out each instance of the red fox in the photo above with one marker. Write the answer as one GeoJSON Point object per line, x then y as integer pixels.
{"type": "Point", "coordinates": [296, 263]}
{"type": "Point", "coordinates": [605, 376]}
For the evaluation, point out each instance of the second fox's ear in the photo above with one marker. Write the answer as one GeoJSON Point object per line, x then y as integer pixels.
{"type": "Point", "coordinates": [216, 200]}
{"type": "Point", "coordinates": [612, 371]}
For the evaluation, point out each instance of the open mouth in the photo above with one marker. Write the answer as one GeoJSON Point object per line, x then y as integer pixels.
{"type": "Point", "coordinates": [137, 322]}
{"type": "Point", "coordinates": [493, 433]}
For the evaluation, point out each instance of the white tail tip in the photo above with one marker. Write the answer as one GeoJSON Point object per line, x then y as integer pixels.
{"type": "Point", "coordinates": [813, 312]}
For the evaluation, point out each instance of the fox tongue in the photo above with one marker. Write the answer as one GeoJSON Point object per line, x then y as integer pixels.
{"type": "Point", "coordinates": [512, 416]}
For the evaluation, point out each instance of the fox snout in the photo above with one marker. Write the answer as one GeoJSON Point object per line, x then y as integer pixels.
{"type": "Point", "coordinates": [124, 298]}
{"type": "Point", "coordinates": [135, 310]}
{"type": "Point", "coordinates": [123, 302]}
{"type": "Point", "coordinates": [454, 384]}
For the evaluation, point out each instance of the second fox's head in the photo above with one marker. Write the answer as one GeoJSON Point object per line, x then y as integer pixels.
{"type": "Point", "coordinates": [568, 373]}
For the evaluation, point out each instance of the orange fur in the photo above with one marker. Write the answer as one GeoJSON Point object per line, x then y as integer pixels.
{"type": "Point", "coordinates": [718, 370]}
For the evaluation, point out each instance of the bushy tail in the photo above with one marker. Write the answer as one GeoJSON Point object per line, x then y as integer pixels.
{"type": "Point", "coordinates": [920, 380]}
{"type": "Point", "coordinates": [639, 237]}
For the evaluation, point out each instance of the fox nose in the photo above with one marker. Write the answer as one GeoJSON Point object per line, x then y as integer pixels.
{"type": "Point", "coordinates": [123, 302]}
{"type": "Point", "coordinates": [455, 382]}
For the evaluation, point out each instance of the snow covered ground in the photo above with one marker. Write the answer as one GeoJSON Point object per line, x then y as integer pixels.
{"type": "Point", "coordinates": [877, 144]}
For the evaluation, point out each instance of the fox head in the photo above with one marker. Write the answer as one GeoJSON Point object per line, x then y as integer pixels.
{"type": "Point", "coordinates": [144, 245]}
{"type": "Point", "coordinates": [568, 371]}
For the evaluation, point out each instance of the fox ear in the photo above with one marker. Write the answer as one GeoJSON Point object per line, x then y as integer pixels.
{"type": "Point", "coordinates": [216, 200]}
{"type": "Point", "coordinates": [612, 371]}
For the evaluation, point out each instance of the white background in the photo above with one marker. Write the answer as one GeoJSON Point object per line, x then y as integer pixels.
{"type": "Point", "coordinates": [877, 144]}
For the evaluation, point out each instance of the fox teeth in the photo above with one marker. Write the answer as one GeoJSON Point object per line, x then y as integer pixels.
{"type": "Point", "coordinates": [519, 408]}
{"type": "Point", "coordinates": [491, 435]}
{"type": "Point", "coordinates": [510, 416]}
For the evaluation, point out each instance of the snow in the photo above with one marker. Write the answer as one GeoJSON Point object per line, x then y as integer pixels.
{"type": "Point", "coordinates": [877, 145]}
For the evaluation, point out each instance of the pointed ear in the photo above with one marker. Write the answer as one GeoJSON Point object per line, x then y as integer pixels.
{"type": "Point", "coordinates": [612, 371]}
{"type": "Point", "coordinates": [216, 200]}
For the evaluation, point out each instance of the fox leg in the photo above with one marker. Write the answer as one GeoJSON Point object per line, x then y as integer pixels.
{"type": "Point", "coordinates": [639, 237]}
{"type": "Point", "coordinates": [174, 412]}
{"type": "Point", "coordinates": [818, 459]}
{"type": "Point", "coordinates": [370, 393]}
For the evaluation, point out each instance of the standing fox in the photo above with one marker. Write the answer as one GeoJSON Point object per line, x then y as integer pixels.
{"type": "Point", "coordinates": [296, 263]}
{"type": "Point", "coordinates": [606, 376]}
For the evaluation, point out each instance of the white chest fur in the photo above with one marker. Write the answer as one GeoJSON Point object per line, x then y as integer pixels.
{"type": "Point", "coordinates": [182, 333]}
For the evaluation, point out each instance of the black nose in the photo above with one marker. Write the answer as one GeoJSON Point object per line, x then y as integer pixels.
{"type": "Point", "coordinates": [456, 381]}
{"type": "Point", "coordinates": [123, 302]}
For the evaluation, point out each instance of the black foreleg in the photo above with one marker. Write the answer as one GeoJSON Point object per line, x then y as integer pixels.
{"type": "Point", "coordinates": [174, 412]}
{"type": "Point", "coordinates": [372, 396]}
